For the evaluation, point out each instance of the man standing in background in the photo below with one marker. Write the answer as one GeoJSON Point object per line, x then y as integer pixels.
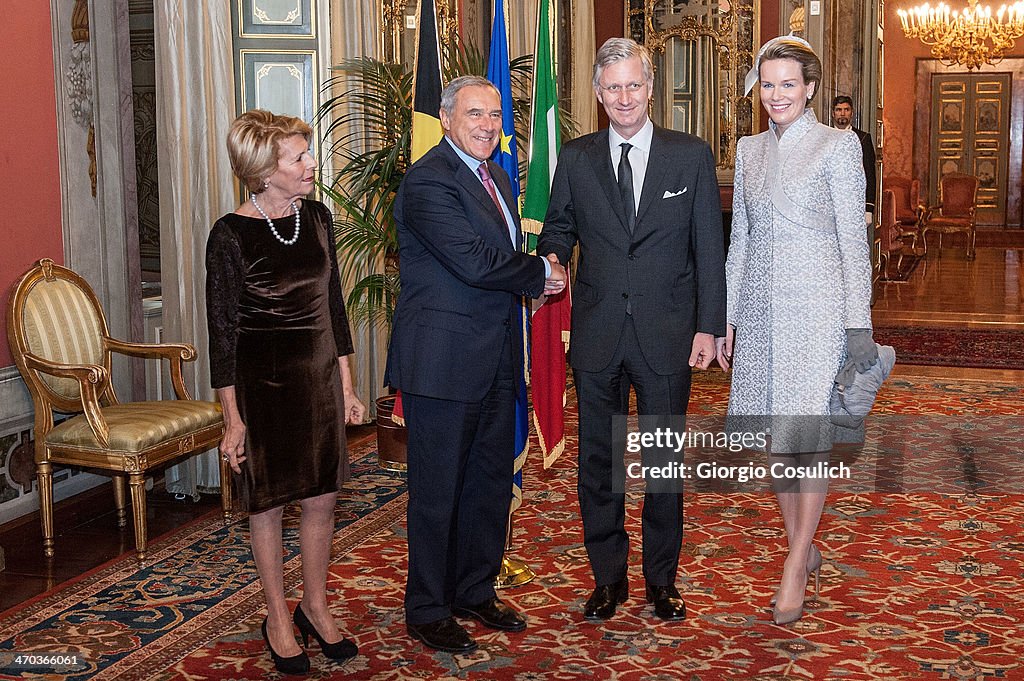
{"type": "Point", "coordinates": [842, 118]}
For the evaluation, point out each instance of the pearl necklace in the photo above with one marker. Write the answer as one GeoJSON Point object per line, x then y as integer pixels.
{"type": "Point", "coordinates": [298, 223]}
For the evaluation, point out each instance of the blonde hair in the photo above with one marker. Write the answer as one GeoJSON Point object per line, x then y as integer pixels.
{"type": "Point", "coordinates": [254, 144]}
{"type": "Point", "coordinates": [798, 51]}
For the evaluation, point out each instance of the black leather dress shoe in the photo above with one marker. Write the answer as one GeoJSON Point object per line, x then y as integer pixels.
{"type": "Point", "coordinates": [444, 634]}
{"type": "Point", "coordinates": [494, 614]}
{"type": "Point", "coordinates": [601, 604]}
{"type": "Point", "coordinates": [668, 604]}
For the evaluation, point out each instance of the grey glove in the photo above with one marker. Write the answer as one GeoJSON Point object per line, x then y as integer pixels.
{"type": "Point", "coordinates": [861, 353]}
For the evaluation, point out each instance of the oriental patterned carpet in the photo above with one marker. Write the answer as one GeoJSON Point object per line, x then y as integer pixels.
{"type": "Point", "coordinates": [917, 583]}
{"type": "Point", "coordinates": [957, 347]}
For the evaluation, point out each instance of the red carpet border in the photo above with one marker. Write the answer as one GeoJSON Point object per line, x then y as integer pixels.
{"type": "Point", "coordinates": [915, 585]}
{"type": "Point", "coordinates": [959, 347]}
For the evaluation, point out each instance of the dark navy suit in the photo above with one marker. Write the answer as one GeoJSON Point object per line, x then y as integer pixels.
{"type": "Point", "coordinates": [456, 332]}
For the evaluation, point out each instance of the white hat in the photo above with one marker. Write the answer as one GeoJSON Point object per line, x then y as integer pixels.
{"type": "Point", "coordinates": [754, 73]}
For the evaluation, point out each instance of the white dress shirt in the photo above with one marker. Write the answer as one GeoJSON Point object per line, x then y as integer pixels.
{"type": "Point", "coordinates": [638, 155]}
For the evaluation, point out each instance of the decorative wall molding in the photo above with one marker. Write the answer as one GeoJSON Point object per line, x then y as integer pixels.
{"type": "Point", "coordinates": [17, 411]}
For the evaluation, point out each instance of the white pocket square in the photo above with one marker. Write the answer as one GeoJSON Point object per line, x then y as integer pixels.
{"type": "Point", "coordinates": [669, 195]}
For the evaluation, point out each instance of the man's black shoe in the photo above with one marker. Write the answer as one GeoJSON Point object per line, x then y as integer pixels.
{"type": "Point", "coordinates": [494, 614]}
{"type": "Point", "coordinates": [444, 634]}
{"type": "Point", "coordinates": [601, 604]}
{"type": "Point", "coordinates": [668, 604]}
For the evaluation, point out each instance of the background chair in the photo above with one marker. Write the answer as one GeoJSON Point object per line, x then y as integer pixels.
{"type": "Point", "coordinates": [910, 211]}
{"type": "Point", "coordinates": [59, 338]}
{"type": "Point", "coordinates": [889, 242]}
{"type": "Point", "coordinates": [955, 212]}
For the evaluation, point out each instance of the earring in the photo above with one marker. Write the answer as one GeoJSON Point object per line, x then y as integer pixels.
{"type": "Point", "coordinates": [266, 184]}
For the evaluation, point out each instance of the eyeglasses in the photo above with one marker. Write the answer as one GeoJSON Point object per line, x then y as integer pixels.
{"type": "Point", "coordinates": [616, 88]}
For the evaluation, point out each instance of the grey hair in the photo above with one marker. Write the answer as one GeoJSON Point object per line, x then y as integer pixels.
{"type": "Point", "coordinates": [452, 89]}
{"type": "Point", "coordinates": [615, 50]}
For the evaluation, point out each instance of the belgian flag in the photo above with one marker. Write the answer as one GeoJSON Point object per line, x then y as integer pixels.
{"type": "Point", "coordinates": [426, 99]}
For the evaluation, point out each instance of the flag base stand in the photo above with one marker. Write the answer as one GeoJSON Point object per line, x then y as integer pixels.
{"type": "Point", "coordinates": [513, 573]}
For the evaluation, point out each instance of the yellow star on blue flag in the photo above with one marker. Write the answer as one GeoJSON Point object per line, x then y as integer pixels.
{"type": "Point", "coordinates": [499, 73]}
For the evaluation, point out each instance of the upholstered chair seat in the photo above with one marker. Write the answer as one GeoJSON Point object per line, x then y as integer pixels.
{"type": "Point", "coordinates": [137, 427]}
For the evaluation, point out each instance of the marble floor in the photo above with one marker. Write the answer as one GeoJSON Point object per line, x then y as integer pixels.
{"type": "Point", "coordinates": [945, 289]}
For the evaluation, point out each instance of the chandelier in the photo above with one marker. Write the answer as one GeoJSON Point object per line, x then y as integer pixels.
{"type": "Point", "coordinates": [972, 36]}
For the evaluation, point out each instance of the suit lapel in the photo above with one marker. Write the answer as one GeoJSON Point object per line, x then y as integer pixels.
{"type": "Point", "coordinates": [601, 161]}
{"type": "Point", "coordinates": [468, 179]}
{"type": "Point", "coordinates": [504, 184]}
{"type": "Point", "coordinates": [657, 162]}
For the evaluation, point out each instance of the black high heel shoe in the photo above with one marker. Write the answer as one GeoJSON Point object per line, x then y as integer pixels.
{"type": "Point", "coordinates": [296, 664]}
{"type": "Point", "coordinates": [339, 650]}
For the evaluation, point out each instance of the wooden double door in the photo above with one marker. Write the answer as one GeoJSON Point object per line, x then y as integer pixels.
{"type": "Point", "coordinates": [970, 133]}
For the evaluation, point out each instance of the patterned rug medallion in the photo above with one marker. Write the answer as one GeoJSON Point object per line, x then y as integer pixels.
{"type": "Point", "coordinates": [922, 576]}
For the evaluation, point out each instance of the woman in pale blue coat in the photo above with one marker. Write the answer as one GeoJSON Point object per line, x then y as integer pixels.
{"type": "Point", "coordinates": [799, 289]}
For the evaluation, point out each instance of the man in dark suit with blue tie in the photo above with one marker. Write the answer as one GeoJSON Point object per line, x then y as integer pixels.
{"type": "Point", "coordinates": [649, 298]}
{"type": "Point", "coordinates": [455, 353]}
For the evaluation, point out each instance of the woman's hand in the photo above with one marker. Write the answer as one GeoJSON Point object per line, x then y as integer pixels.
{"type": "Point", "coordinates": [723, 347]}
{"type": "Point", "coordinates": [232, 445]}
{"type": "Point", "coordinates": [355, 410]}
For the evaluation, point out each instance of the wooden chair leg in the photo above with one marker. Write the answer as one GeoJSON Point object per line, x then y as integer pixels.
{"type": "Point", "coordinates": [225, 488]}
{"type": "Point", "coordinates": [971, 239]}
{"type": "Point", "coordinates": [119, 499]}
{"type": "Point", "coordinates": [44, 477]}
{"type": "Point", "coordinates": [137, 483]}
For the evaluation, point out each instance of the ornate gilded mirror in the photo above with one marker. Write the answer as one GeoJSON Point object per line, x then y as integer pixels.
{"type": "Point", "coordinates": [399, 23]}
{"type": "Point", "coordinates": [702, 50]}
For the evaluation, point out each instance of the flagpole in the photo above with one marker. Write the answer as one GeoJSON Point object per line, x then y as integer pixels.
{"type": "Point", "coordinates": [512, 572]}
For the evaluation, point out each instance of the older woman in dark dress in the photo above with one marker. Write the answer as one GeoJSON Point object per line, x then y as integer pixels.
{"type": "Point", "coordinates": [279, 346]}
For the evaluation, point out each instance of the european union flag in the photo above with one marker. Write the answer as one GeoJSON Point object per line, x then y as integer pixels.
{"type": "Point", "coordinates": [499, 73]}
{"type": "Point", "coordinates": [507, 156]}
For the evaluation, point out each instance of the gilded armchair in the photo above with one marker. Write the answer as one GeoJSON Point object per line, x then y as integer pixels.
{"type": "Point", "coordinates": [889, 242]}
{"type": "Point", "coordinates": [910, 210]}
{"type": "Point", "coordinates": [958, 195]}
{"type": "Point", "coordinates": [62, 348]}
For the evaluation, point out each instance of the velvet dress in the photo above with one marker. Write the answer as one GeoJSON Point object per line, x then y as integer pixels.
{"type": "Point", "coordinates": [277, 326]}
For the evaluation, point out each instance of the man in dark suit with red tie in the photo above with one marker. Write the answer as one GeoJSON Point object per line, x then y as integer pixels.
{"type": "Point", "coordinates": [649, 299]}
{"type": "Point", "coordinates": [455, 354]}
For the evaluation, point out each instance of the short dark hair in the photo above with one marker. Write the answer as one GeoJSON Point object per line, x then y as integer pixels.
{"type": "Point", "coordinates": [842, 99]}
